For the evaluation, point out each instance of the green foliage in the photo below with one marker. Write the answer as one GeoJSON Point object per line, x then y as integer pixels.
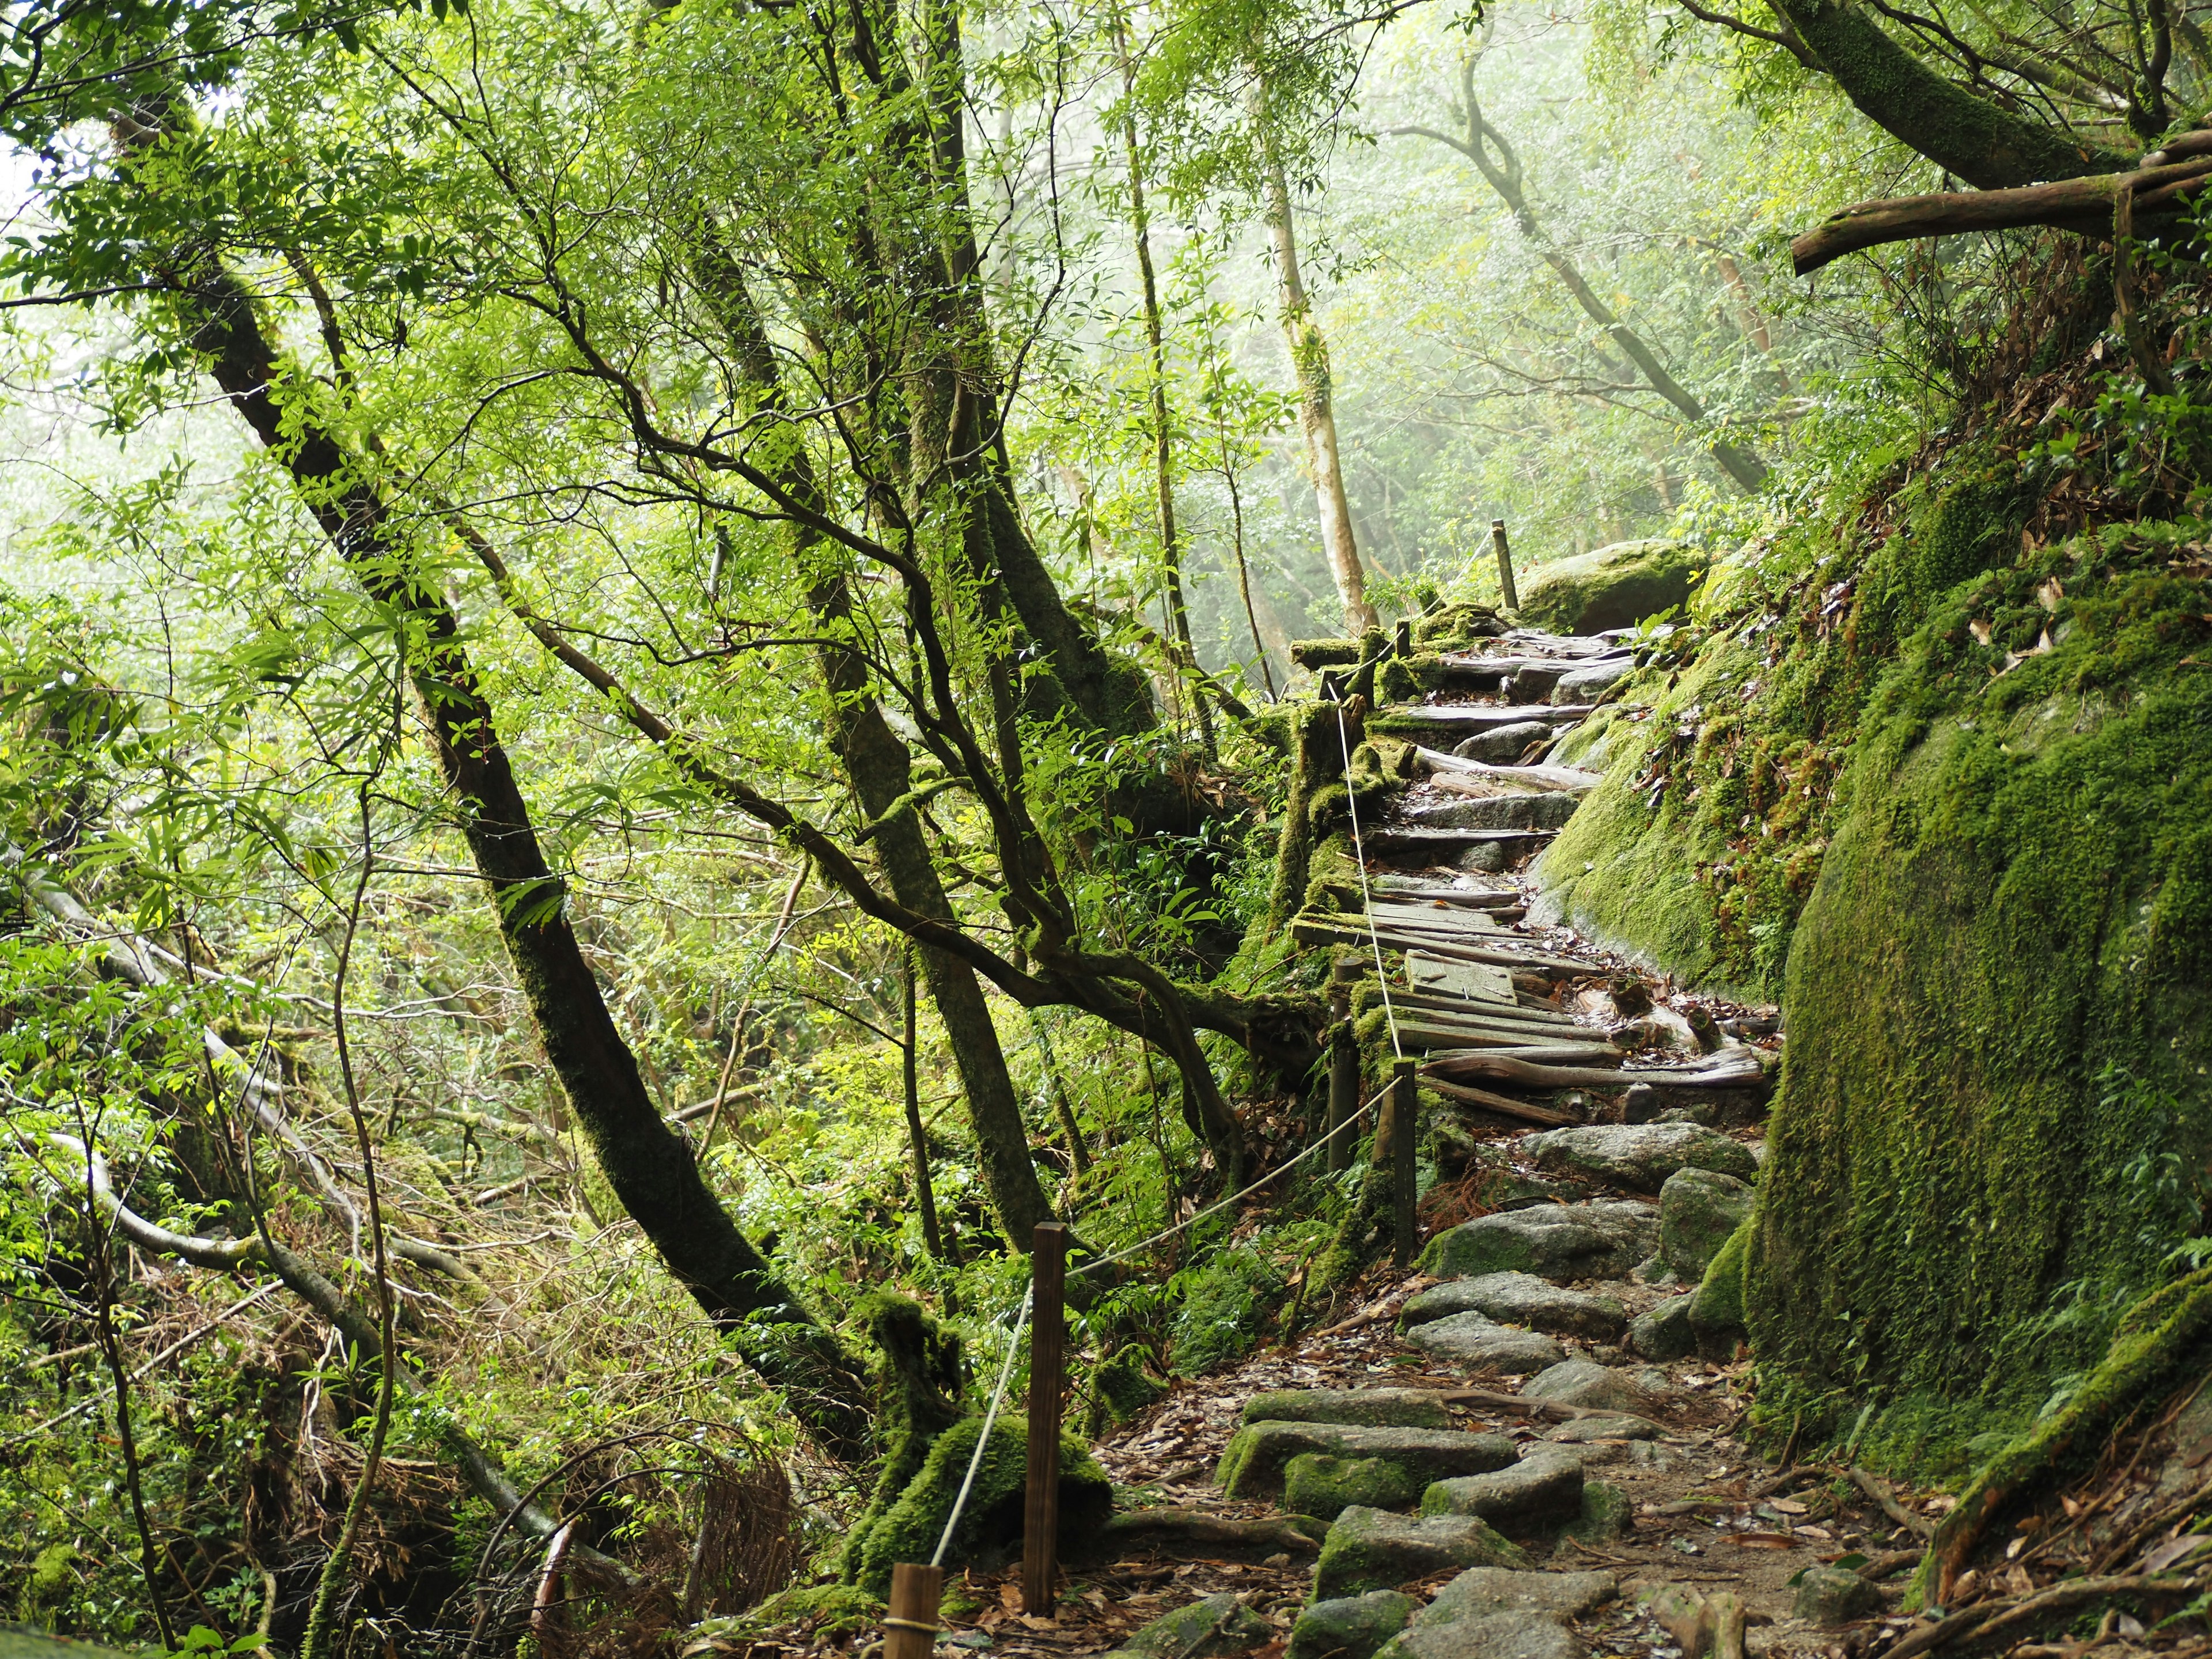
{"type": "Point", "coordinates": [1226, 1301]}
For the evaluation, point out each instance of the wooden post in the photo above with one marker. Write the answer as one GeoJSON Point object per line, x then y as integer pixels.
{"type": "Point", "coordinates": [1343, 1065]}
{"type": "Point", "coordinates": [1505, 564]}
{"type": "Point", "coordinates": [1040, 1517]}
{"type": "Point", "coordinates": [1405, 637]}
{"type": "Point", "coordinates": [910, 1631]}
{"type": "Point", "coordinates": [1404, 1118]}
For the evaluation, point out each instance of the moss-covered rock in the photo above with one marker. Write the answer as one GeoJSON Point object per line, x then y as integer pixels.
{"type": "Point", "coordinates": [1316, 1483]}
{"type": "Point", "coordinates": [1209, 1629]}
{"type": "Point", "coordinates": [1615, 586]}
{"type": "Point", "coordinates": [1351, 1627]}
{"type": "Point", "coordinates": [19, 1643]}
{"type": "Point", "coordinates": [991, 1524]}
{"type": "Point", "coordinates": [1608, 1515]}
{"type": "Point", "coordinates": [1373, 1549]}
{"type": "Point", "coordinates": [1121, 1387]}
{"type": "Point", "coordinates": [1699, 1210]}
{"type": "Point", "coordinates": [1716, 1309]}
{"type": "Point", "coordinates": [1253, 1462]}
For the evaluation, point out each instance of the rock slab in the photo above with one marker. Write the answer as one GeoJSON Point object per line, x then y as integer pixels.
{"type": "Point", "coordinates": [1544, 1488]}
{"type": "Point", "coordinates": [1586, 1383]}
{"type": "Point", "coordinates": [1373, 1408]}
{"type": "Point", "coordinates": [1350, 1627]}
{"type": "Point", "coordinates": [1494, 1636]}
{"type": "Point", "coordinates": [1481, 1590]}
{"type": "Point", "coordinates": [1370, 1549]}
{"type": "Point", "coordinates": [1253, 1465]}
{"type": "Point", "coordinates": [1218, 1626]}
{"type": "Point", "coordinates": [1559, 1242]}
{"type": "Point", "coordinates": [1316, 1483]}
{"type": "Point", "coordinates": [1834, 1596]}
{"type": "Point", "coordinates": [1639, 1156]}
{"type": "Point", "coordinates": [1664, 1331]}
{"type": "Point", "coordinates": [1486, 1347]}
{"type": "Point", "coordinates": [1518, 1298]}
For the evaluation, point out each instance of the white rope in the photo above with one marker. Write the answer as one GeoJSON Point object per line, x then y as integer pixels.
{"type": "Point", "coordinates": [1366, 898]}
{"type": "Point", "coordinates": [1213, 1209]}
{"type": "Point", "coordinates": [990, 1420]}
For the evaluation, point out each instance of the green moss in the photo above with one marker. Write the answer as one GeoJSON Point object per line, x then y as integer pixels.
{"type": "Point", "coordinates": [991, 1524]}
{"type": "Point", "coordinates": [1120, 1388]}
{"type": "Point", "coordinates": [1718, 1308]}
{"type": "Point", "coordinates": [1615, 586]}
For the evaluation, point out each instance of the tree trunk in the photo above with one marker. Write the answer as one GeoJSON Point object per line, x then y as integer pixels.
{"type": "Point", "coordinates": [1163, 437]}
{"type": "Point", "coordinates": [649, 1167]}
{"type": "Point", "coordinates": [1316, 405]}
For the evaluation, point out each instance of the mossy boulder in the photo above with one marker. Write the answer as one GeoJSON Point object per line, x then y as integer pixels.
{"type": "Point", "coordinates": [1316, 1483]}
{"type": "Point", "coordinates": [1543, 1488]}
{"type": "Point", "coordinates": [1829, 1597]}
{"type": "Point", "coordinates": [1663, 1331]}
{"type": "Point", "coordinates": [1608, 1515]}
{"type": "Point", "coordinates": [991, 1524]}
{"type": "Point", "coordinates": [16, 1643]}
{"type": "Point", "coordinates": [1716, 1309]}
{"type": "Point", "coordinates": [1350, 1627]}
{"type": "Point", "coordinates": [1615, 586]}
{"type": "Point", "coordinates": [1699, 1210]}
{"type": "Point", "coordinates": [1121, 1387]}
{"type": "Point", "coordinates": [1601, 1240]}
{"type": "Point", "coordinates": [1210, 1629]}
{"type": "Point", "coordinates": [1637, 1156]}
{"type": "Point", "coordinates": [1515, 1298]}
{"type": "Point", "coordinates": [1370, 1549]}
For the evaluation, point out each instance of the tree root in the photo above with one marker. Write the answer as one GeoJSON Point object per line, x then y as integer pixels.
{"type": "Point", "coordinates": [2156, 1338]}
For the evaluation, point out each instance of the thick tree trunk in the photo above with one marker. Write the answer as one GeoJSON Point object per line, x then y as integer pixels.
{"type": "Point", "coordinates": [1987, 146]}
{"type": "Point", "coordinates": [1316, 406]}
{"type": "Point", "coordinates": [650, 1169]}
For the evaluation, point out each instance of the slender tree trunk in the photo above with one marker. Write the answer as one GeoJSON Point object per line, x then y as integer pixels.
{"type": "Point", "coordinates": [925, 1199]}
{"type": "Point", "coordinates": [1317, 405]}
{"type": "Point", "coordinates": [1163, 436]}
{"type": "Point", "coordinates": [649, 1167]}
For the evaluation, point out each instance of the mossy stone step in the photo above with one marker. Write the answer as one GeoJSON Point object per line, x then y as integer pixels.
{"type": "Point", "coordinates": [1603, 1387]}
{"type": "Point", "coordinates": [1544, 1488]}
{"type": "Point", "coordinates": [1317, 1483]}
{"type": "Point", "coordinates": [1481, 1590]}
{"type": "Point", "coordinates": [1494, 1636]}
{"type": "Point", "coordinates": [1518, 1298]}
{"type": "Point", "coordinates": [1253, 1465]}
{"type": "Point", "coordinates": [1373, 1408]}
{"type": "Point", "coordinates": [1604, 1239]}
{"type": "Point", "coordinates": [1370, 1549]}
{"type": "Point", "coordinates": [1699, 1209]}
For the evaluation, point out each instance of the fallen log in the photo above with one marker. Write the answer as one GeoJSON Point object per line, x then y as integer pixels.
{"type": "Point", "coordinates": [1506, 1069]}
{"type": "Point", "coordinates": [1502, 1105]}
{"type": "Point", "coordinates": [2076, 205]}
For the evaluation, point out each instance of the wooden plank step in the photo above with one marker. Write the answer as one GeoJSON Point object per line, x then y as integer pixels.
{"type": "Point", "coordinates": [1438, 1040]}
{"type": "Point", "coordinates": [1473, 899]}
{"type": "Point", "coordinates": [1467, 719]}
{"type": "Point", "coordinates": [1406, 838]}
{"type": "Point", "coordinates": [1475, 980]}
{"type": "Point", "coordinates": [1499, 1018]}
{"type": "Point", "coordinates": [1475, 1065]}
{"type": "Point", "coordinates": [1486, 1012]}
{"type": "Point", "coordinates": [1312, 931]}
{"type": "Point", "coordinates": [1445, 918]}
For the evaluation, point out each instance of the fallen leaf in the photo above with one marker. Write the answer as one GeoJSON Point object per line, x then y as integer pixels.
{"type": "Point", "coordinates": [1765, 1540]}
{"type": "Point", "coordinates": [1036, 1623]}
{"type": "Point", "coordinates": [1785, 1506]}
{"type": "Point", "coordinates": [2173, 1551]}
{"type": "Point", "coordinates": [1980, 630]}
{"type": "Point", "coordinates": [2049, 593]}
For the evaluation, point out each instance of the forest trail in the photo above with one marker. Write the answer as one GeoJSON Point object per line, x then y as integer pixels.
{"type": "Point", "coordinates": [1523, 1453]}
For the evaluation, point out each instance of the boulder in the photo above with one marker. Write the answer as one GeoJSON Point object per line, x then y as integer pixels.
{"type": "Point", "coordinates": [1585, 1382]}
{"type": "Point", "coordinates": [1615, 586]}
{"type": "Point", "coordinates": [1516, 1298]}
{"type": "Point", "coordinates": [1699, 1208]}
{"type": "Point", "coordinates": [1316, 1483]}
{"type": "Point", "coordinates": [1544, 1488]}
{"type": "Point", "coordinates": [1664, 1331]}
{"type": "Point", "coordinates": [1608, 1513]}
{"type": "Point", "coordinates": [1600, 1240]}
{"type": "Point", "coordinates": [1205, 1630]}
{"type": "Point", "coordinates": [1502, 746]}
{"type": "Point", "coordinates": [1583, 1430]}
{"type": "Point", "coordinates": [1253, 1465]}
{"type": "Point", "coordinates": [1350, 1627]}
{"type": "Point", "coordinates": [1593, 680]}
{"type": "Point", "coordinates": [1370, 1549]}
{"type": "Point", "coordinates": [1486, 1347]}
{"type": "Point", "coordinates": [1547, 810]}
{"type": "Point", "coordinates": [1532, 681]}
{"type": "Point", "coordinates": [1834, 1596]}
{"type": "Point", "coordinates": [1494, 1636]}
{"type": "Point", "coordinates": [1638, 1156]}
{"type": "Point", "coordinates": [1482, 1590]}
{"type": "Point", "coordinates": [1373, 1408]}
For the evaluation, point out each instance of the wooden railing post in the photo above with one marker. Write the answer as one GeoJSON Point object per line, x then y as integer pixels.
{"type": "Point", "coordinates": [1048, 1328]}
{"type": "Point", "coordinates": [1343, 1065]}
{"type": "Point", "coordinates": [1505, 564]}
{"type": "Point", "coordinates": [1404, 1122]}
{"type": "Point", "coordinates": [911, 1629]}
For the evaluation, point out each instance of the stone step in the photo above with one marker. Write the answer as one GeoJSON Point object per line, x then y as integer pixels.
{"type": "Point", "coordinates": [1370, 1549]}
{"type": "Point", "coordinates": [1639, 1156]}
{"type": "Point", "coordinates": [1544, 1488]}
{"type": "Point", "coordinates": [1371, 1408]}
{"type": "Point", "coordinates": [1520, 1298]}
{"type": "Point", "coordinates": [1484, 1347]}
{"type": "Point", "coordinates": [1252, 1465]}
{"type": "Point", "coordinates": [1602, 1239]}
